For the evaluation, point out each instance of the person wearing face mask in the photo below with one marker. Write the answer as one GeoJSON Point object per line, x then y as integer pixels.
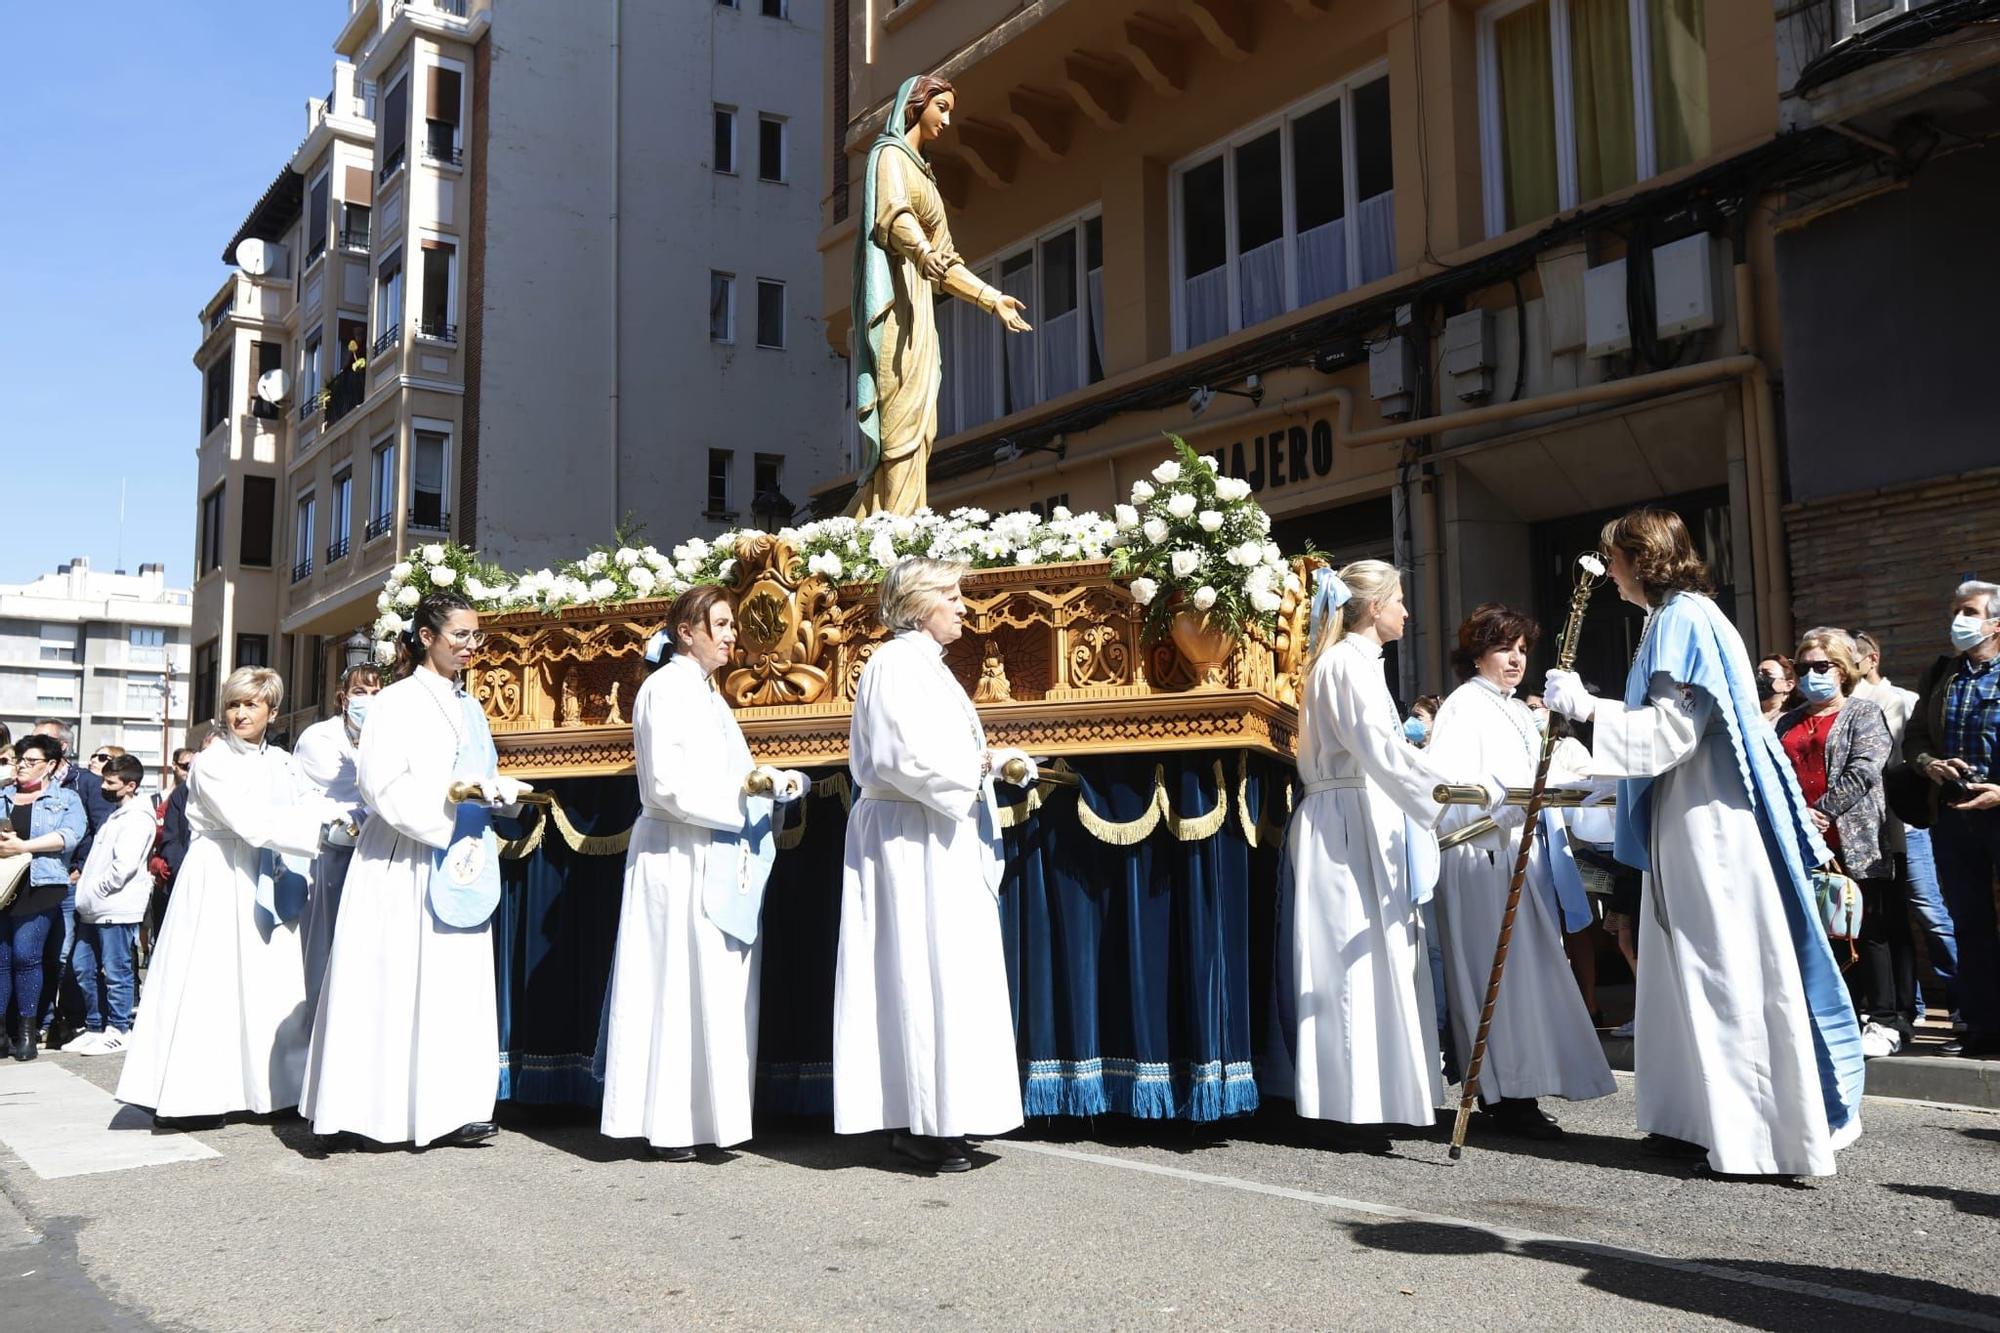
{"type": "Point", "coordinates": [1839, 746]}
{"type": "Point", "coordinates": [1776, 683]}
{"type": "Point", "coordinates": [111, 899]}
{"type": "Point", "coordinates": [328, 752]}
{"type": "Point", "coordinates": [41, 823]}
{"type": "Point", "coordinates": [1542, 1042]}
{"type": "Point", "coordinates": [1747, 1053]}
{"type": "Point", "coordinates": [680, 1043]}
{"type": "Point", "coordinates": [224, 1024]}
{"type": "Point", "coordinates": [1954, 740]}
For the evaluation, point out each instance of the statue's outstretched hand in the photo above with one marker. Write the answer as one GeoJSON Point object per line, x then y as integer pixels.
{"type": "Point", "coordinates": [1012, 313]}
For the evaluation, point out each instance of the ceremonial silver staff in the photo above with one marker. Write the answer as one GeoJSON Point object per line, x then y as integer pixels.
{"type": "Point", "coordinates": [1590, 573]}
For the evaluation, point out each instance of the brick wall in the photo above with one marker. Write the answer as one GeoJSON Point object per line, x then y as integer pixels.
{"type": "Point", "coordinates": [1887, 560]}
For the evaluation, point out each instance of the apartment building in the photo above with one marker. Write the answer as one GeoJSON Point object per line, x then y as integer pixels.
{"type": "Point", "coordinates": [107, 653]}
{"type": "Point", "coordinates": [1447, 282]}
{"type": "Point", "coordinates": [534, 270]}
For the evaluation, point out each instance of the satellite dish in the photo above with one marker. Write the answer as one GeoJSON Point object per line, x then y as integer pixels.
{"type": "Point", "coordinates": [273, 386]}
{"type": "Point", "coordinates": [260, 259]}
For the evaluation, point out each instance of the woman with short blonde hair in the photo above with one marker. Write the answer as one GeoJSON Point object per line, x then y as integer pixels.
{"type": "Point", "coordinates": [252, 682]}
{"type": "Point", "coordinates": [912, 588]}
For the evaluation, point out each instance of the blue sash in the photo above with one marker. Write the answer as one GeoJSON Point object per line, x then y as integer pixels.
{"type": "Point", "coordinates": [281, 885]}
{"type": "Point", "coordinates": [465, 873]}
{"type": "Point", "coordinates": [739, 865]}
{"type": "Point", "coordinates": [1566, 896]}
{"type": "Point", "coordinates": [1690, 641]}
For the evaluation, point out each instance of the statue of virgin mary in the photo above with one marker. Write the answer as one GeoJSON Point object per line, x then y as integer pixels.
{"type": "Point", "coordinates": [902, 251]}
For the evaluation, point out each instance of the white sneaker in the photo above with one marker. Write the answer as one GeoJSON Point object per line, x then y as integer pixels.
{"type": "Point", "coordinates": [108, 1042]}
{"type": "Point", "coordinates": [81, 1043]}
{"type": "Point", "coordinates": [1878, 1041]}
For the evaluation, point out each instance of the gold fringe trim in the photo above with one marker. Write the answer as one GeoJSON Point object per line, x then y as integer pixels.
{"type": "Point", "coordinates": [1187, 828]}
{"type": "Point", "coordinates": [588, 844]}
{"type": "Point", "coordinates": [515, 849]}
{"type": "Point", "coordinates": [1257, 830]}
{"type": "Point", "coordinates": [1194, 828]}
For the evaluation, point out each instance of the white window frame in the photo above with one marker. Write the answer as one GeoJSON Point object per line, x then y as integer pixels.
{"type": "Point", "coordinates": [728, 509]}
{"type": "Point", "coordinates": [464, 100]}
{"type": "Point", "coordinates": [382, 481]}
{"type": "Point", "coordinates": [450, 284]}
{"type": "Point", "coordinates": [447, 458]}
{"type": "Point", "coordinates": [987, 270]}
{"type": "Point", "coordinates": [784, 13]}
{"type": "Point", "coordinates": [383, 321]}
{"type": "Point", "coordinates": [1341, 91]}
{"type": "Point", "coordinates": [405, 75]}
{"type": "Point", "coordinates": [340, 509]}
{"type": "Point", "coordinates": [784, 314]}
{"type": "Point", "coordinates": [735, 155]}
{"type": "Point", "coordinates": [784, 148]}
{"type": "Point", "coordinates": [325, 241]}
{"type": "Point", "coordinates": [728, 307]}
{"type": "Point", "coordinates": [1646, 152]}
{"type": "Point", "coordinates": [311, 348]}
{"type": "Point", "coordinates": [305, 522]}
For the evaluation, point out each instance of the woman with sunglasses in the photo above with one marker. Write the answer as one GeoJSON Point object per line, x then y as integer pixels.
{"type": "Point", "coordinates": [1838, 745]}
{"type": "Point", "coordinates": [42, 823]}
{"type": "Point", "coordinates": [405, 1043]}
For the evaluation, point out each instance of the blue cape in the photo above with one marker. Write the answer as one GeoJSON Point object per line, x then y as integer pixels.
{"type": "Point", "coordinates": [874, 285]}
{"type": "Point", "coordinates": [465, 875]}
{"type": "Point", "coordinates": [1690, 641]}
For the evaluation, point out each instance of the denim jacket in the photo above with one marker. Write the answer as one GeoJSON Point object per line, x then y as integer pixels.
{"type": "Point", "coordinates": [56, 810]}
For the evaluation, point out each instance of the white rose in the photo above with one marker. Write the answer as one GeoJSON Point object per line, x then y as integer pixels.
{"type": "Point", "coordinates": [1167, 473]}
{"type": "Point", "coordinates": [475, 589]}
{"type": "Point", "coordinates": [882, 549]}
{"type": "Point", "coordinates": [400, 571]}
{"type": "Point", "coordinates": [385, 653]}
{"type": "Point", "coordinates": [1207, 463]}
{"type": "Point", "coordinates": [1204, 597]}
{"type": "Point", "coordinates": [1210, 521]}
{"type": "Point", "coordinates": [432, 553]}
{"type": "Point", "coordinates": [388, 625]}
{"type": "Point", "coordinates": [642, 578]}
{"type": "Point", "coordinates": [595, 562]}
{"type": "Point", "coordinates": [1231, 489]}
{"type": "Point", "coordinates": [1185, 563]}
{"type": "Point", "coordinates": [1144, 591]}
{"type": "Point", "coordinates": [1127, 516]}
{"type": "Point", "coordinates": [1273, 554]}
{"type": "Point", "coordinates": [1060, 513]}
{"type": "Point", "coordinates": [384, 600]}
{"type": "Point", "coordinates": [1181, 506]}
{"type": "Point", "coordinates": [408, 597]}
{"type": "Point", "coordinates": [443, 576]}
{"type": "Point", "coordinates": [1142, 491]}
{"type": "Point", "coordinates": [1265, 602]}
{"type": "Point", "coordinates": [1156, 530]}
{"type": "Point", "coordinates": [833, 566]}
{"type": "Point", "coordinates": [723, 571]}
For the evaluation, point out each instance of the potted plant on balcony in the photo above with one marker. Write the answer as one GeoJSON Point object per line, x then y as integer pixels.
{"type": "Point", "coordinates": [1198, 552]}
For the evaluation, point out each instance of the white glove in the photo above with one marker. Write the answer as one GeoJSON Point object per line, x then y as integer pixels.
{"type": "Point", "coordinates": [338, 831]}
{"type": "Point", "coordinates": [1564, 693]}
{"type": "Point", "coordinates": [787, 784]}
{"type": "Point", "coordinates": [502, 791]}
{"type": "Point", "coordinates": [1007, 755]}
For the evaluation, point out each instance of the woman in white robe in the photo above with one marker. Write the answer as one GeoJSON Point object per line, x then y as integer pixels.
{"type": "Point", "coordinates": [680, 1051]}
{"type": "Point", "coordinates": [923, 1026]}
{"type": "Point", "coordinates": [1746, 1050]}
{"type": "Point", "coordinates": [224, 1025]}
{"type": "Point", "coordinates": [1364, 1036]}
{"type": "Point", "coordinates": [1542, 1042]}
{"type": "Point", "coordinates": [329, 755]}
{"type": "Point", "coordinates": [406, 1044]}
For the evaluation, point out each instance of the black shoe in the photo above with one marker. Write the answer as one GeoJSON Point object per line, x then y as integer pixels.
{"type": "Point", "coordinates": [957, 1156]}
{"type": "Point", "coordinates": [23, 1045]}
{"type": "Point", "coordinates": [1663, 1145]}
{"type": "Point", "coordinates": [466, 1135]}
{"type": "Point", "coordinates": [1973, 1046]}
{"type": "Point", "coordinates": [1337, 1137]}
{"type": "Point", "coordinates": [1520, 1117]}
{"type": "Point", "coordinates": [184, 1123]}
{"type": "Point", "coordinates": [925, 1150]}
{"type": "Point", "coordinates": [674, 1154]}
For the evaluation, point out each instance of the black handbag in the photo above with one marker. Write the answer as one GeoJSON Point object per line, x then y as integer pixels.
{"type": "Point", "coordinates": [1912, 797]}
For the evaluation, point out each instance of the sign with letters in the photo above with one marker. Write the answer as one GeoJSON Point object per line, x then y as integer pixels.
{"type": "Point", "coordinates": [1283, 456]}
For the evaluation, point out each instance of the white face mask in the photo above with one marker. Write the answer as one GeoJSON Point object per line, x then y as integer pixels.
{"type": "Point", "coordinates": [357, 710]}
{"type": "Point", "coordinates": [1969, 631]}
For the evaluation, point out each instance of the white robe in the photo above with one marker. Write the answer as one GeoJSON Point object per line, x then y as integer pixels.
{"type": "Point", "coordinates": [681, 1044]}
{"type": "Point", "coordinates": [1722, 1040]}
{"type": "Point", "coordinates": [406, 1041]}
{"type": "Point", "coordinates": [1542, 1043]}
{"type": "Point", "coordinates": [1365, 1049]}
{"type": "Point", "coordinates": [923, 1027]}
{"type": "Point", "coordinates": [328, 760]}
{"type": "Point", "coordinates": [224, 1024]}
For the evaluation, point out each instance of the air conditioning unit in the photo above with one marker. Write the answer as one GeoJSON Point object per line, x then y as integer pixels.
{"type": "Point", "coordinates": [1686, 297]}
{"type": "Point", "coordinates": [1392, 376]}
{"type": "Point", "coordinates": [1852, 18]}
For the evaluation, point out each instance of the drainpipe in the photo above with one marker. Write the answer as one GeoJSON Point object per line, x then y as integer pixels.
{"type": "Point", "coordinates": [1760, 438]}
{"type": "Point", "coordinates": [617, 155]}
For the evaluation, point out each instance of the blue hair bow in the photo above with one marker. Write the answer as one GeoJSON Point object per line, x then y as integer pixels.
{"type": "Point", "coordinates": [656, 647]}
{"type": "Point", "coordinates": [1329, 595]}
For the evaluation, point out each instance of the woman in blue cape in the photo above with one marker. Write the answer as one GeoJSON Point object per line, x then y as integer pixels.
{"type": "Point", "coordinates": [1746, 1048]}
{"type": "Point", "coordinates": [902, 250]}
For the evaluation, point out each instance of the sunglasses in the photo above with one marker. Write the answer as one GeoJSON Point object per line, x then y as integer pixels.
{"type": "Point", "coordinates": [1816, 668]}
{"type": "Point", "coordinates": [100, 758]}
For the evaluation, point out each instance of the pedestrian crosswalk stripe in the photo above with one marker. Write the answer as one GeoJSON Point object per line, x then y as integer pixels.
{"type": "Point", "coordinates": [64, 1125]}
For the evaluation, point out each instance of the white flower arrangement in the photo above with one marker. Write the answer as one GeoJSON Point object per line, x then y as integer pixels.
{"type": "Point", "coordinates": [1200, 543]}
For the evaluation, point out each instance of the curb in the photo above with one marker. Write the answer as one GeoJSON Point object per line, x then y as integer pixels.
{"type": "Point", "coordinates": [1923, 1078]}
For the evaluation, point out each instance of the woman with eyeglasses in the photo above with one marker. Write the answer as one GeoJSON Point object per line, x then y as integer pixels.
{"type": "Point", "coordinates": [41, 823]}
{"type": "Point", "coordinates": [1839, 745]}
{"type": "Point", "coordinates": [1777, 685]}
{"type": "Point", "coordinates": [406, 1039]}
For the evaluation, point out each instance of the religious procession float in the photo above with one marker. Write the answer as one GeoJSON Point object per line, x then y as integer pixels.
{"type": "Point", "coordinates": [1149, 660]}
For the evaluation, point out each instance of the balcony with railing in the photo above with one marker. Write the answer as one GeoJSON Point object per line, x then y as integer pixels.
{"type": "Point", "coordinates": [441, 144]}
{"type": "Point", "coordinates": [309, 406]}
{"type": "Point", "coordinates": [337, 551]}
{"type": "Point", "coordinates": [429, 516]}
{"type": "Point", "coordinates": [378, 526]}
{"type": "Point", "coordinates": [437, 330]}
{"type": "Point", "coordinates": [302, 570]}
{"type": "Point", "coordinates": [344, 393]}
{"type": "Point", "coordinates": [390, 337]}
{"type": "Point", "coordinates": [354, 238]}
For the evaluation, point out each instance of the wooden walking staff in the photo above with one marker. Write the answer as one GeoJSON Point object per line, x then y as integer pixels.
{"type": "Point", "coordinates": [1590, 573]}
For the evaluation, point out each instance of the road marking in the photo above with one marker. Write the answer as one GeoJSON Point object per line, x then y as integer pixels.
{"type": "Point", "coordinates": [1515, 1237]}
{"type": "Point", "coordinates": [61, 1124]}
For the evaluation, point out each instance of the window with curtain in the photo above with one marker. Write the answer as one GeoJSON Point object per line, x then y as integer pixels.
{"type": "Point", "coordinates": [1292, 211]}
{"type": "Point", "coordinates": [1583, 98]}
{"type": "Point", "coordinates": [382, 487]}
{"type": "Point", "coordinates": [947, 333]}
{"type": "Point", "coordinates": [428, 462]}
{"type": "Point", "coordinates": [1059, 274]}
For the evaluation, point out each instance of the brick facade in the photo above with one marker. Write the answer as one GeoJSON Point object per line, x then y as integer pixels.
{"type": "Point", "coordinates": [1887, 560]}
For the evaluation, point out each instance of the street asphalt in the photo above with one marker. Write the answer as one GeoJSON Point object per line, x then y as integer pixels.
{"type": "Point", "coordinates": [1071, 1224]}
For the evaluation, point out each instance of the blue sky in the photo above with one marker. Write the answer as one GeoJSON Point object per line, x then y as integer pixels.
{"type": "Point", "coordinates": [125, 179]}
